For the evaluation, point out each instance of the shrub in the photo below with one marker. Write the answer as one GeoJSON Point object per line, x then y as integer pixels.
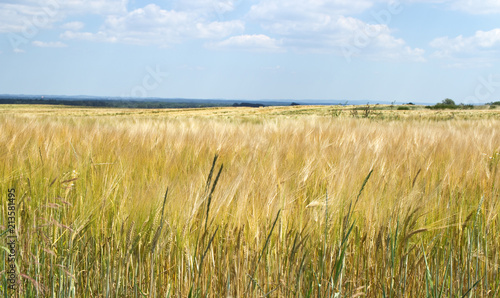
{"type": "Point", "coordinates": [466, 107]}
{"type": "Point", "coordinates": [442, 106]}
{"type": "Point", "coordinates": [448, 101]}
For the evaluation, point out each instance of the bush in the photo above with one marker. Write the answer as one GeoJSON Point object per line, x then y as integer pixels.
{"type": "Point", "coordinates": [448, 101]}
{"type": "Point", "coordinates": [442, 106]}
{"type": "Point", "coordinates": [466, 107]}
{"type": "Point", "coordinates": [403, 108]}
{"type": "Point", "coordinates": [447, 104]}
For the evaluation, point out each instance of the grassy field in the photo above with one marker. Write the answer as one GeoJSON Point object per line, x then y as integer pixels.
{"type": "Point", "coordinates": [269, 202]}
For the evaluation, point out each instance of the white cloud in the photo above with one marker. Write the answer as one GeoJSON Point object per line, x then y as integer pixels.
{"type": "Point", "coordinates": [100, 36]}
{"type": "Point", "coordinates": [323, 26]}
{"type": "Point", "coordinates": [376, 42]}
{"type": "Point", "coordinates": [50, 44]}
{"type": "Point", "coordinates": [74, 26]}
{"type": "Point", "coordinates": [271, 10]}
{"type": "Point", "coordinates": [478, 7]}
{"type": "Point", "coordinates": [22, 15]}
{"type": "Point", "coordinates": [152, 25]}
{"type": "Point", "coordinates": [256, 43]}
{"type": "Point", "coordinates": [479, 50]}
{"type": "Point", "coordinates": [483, 42]}
{"type": "Point", "coordinates": [100, 7]}
{"type": "Point", "coordinates": [206, 7]}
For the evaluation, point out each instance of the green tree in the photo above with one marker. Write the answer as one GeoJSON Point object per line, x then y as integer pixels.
{"type": "Point", "coordinates": [448, 101]}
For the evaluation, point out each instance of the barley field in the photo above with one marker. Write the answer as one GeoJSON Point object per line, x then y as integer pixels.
{"type": "Point", "coordinates": [239, 202]}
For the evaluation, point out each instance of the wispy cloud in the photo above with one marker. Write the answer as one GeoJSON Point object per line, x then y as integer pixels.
{"type": "Point", "coordinates": [254, 43]}
{"type": "Point", "coordinates": [206, 7]}
{"type": "Point", "coordinates": [273, 10]}
{"type": "Point", "coordinates": [328, 27]}
{"type": "Point", "coordinates": [481, 49]}
{"type": "Point", "coordinates": [22, 14]}
{"type": "Point", "coordinates": [50, 44]}
{"type": "Point", "coordinates": [74, 26]}
{"type": "Point", "coordinates": [153, 25]}
{"type": "Point", "coordinates": [476, 7]}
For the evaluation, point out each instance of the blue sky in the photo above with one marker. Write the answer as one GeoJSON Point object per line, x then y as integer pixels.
{"type": "Point", "coordinates": [376, 50]}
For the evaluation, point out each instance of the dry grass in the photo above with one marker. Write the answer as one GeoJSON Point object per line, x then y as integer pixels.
{"type": "Point", "coordinates": [280, 220]}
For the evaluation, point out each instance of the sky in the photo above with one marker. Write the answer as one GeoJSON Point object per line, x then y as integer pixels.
{"type": "Point", "coordinates": [345, 50]}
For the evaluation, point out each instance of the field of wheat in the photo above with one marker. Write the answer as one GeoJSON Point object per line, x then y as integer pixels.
{"type": "Point", "coordinates": [242, 202]}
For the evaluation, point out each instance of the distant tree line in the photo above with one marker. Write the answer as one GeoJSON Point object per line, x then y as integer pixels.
{"type": "Point", "coordinates": [449, 104]}
{"type": "Point", "coordinates": [247, 104]}
{"type": "Point", "coordinates": [112, 103]}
